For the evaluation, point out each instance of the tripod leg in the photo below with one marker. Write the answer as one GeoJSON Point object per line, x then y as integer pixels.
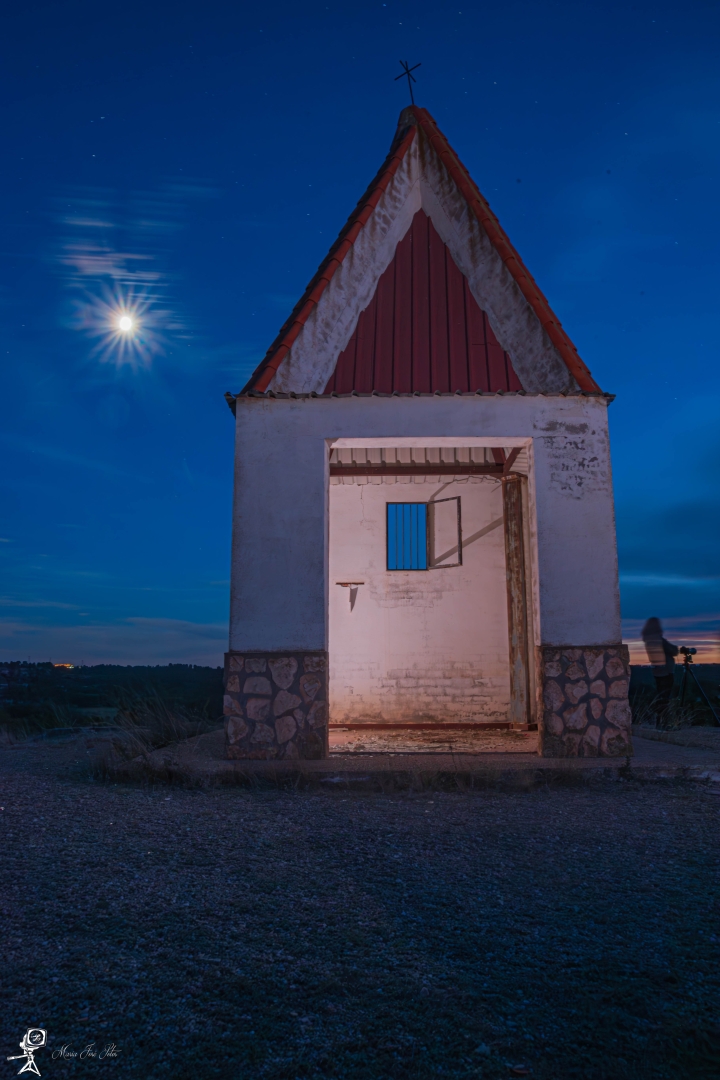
{"type": "Point", "coordinates": [707, 700]}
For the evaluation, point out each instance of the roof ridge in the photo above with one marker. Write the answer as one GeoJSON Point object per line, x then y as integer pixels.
{"type": "Point", "coordinates": [505, 249]}
{"type": "Point", "coordinates": [263, 373]}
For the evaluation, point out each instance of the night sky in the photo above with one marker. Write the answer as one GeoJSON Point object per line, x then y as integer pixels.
{"type": "Point", "coordinates": [200, 158]}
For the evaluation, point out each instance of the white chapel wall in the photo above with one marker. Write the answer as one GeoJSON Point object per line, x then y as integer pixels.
{"type": "Point", "coordinates": [424, 645]}
{"type": "Point", "coordinates": [280, 523]}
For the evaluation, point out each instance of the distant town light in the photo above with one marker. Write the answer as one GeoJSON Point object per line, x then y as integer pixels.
{"type": "Point", "coordinates": [64, 665]}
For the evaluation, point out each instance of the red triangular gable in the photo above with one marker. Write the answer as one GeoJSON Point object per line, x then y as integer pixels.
{"type": "Point", "coordinates": [423, 329]}
{"type": "Point", "coordinates": [375, 316]}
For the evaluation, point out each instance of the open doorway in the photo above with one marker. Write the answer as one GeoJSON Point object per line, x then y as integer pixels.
{"type": "Point", "coordinates": [418, 600]}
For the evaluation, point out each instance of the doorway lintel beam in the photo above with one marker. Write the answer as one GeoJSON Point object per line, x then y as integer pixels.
{"type": "Point", "coordinates": [416, 470]}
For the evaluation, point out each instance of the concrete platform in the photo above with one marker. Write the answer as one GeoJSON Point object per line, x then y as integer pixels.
{"type": "Point", "coordinates": [499, 755]}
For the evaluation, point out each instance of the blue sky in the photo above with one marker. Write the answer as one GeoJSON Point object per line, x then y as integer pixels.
{"type": "Point", "coordinates": [206, 155]}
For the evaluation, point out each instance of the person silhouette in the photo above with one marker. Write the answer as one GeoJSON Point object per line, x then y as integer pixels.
{"type": "Point", "coordinates": [661, 654]}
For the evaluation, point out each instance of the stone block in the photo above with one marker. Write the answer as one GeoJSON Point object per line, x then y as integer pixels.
{"type": "Point", "coordinates": [591, 741]}
{"type": "Point", "coordinates": [594, 664]}
{"type": "Point", "coordinates": [313, 745]}
{"type": "Point", "coordinates": [310, 686]}
{"type": "Point", "coordinates": [553, 696]}
{"type": "Point", "coordinates": [285, 728]}
{"type": "Point", "coordinates": [257, 708]}
{"type": "Point", "coordinates": [619, 713]}
{"type": "Point", "coordinates": [619, 689]}
{"type": "Point", "coordinates": [283, 671]}
{"type": "Point", "coordinates": [575, 671]}
{"type": "Point", "coordinates": [571, 743]}
{"type": "Point", "coordinates": [553, 669]}
{"type": "Point", "coordinates": [596, 708]}
{"type": "Point", "coordinates": [317, 714]}
{"type": "Point", "coordinates": [615, 743]}
{"type": "Point", "coordinates": [598, 688]}
{"type": "Point", "coordinates": [255, 663]}
{"type": "Point", "coordinates": [571, 655]}
{"type": "Point", "coordinates": [233, 684]}
{"type": "Point", "coordinates": [314, 663]}
{"type": "Point", "coordinates": [552, 746]}
{"type": "Point", "coordinates": [257, 684]}
{"type": "Point", "coordinates": [574, 692]}
{"type": "Point", "coordinates": [263, 735]}
{"type": "Point", "coordinates": [576, 719]}
{"type": "Point", "coordinates": [230, 706]}
{"type": "Point", "coordinates": [232, 750]}
{"type": "Point", "coordinates": [615, 668]}
{"type": "Point", "coordinates": [245, 753]}
{"type": "Point", "coordinates": [235, 663]}
{"type": "Point", "coordinates": [236, 729]}
{"type": "Point", "coordinates": [553, 723]}
{"type": "Point", "coordinates": [285, 702]}
{"type": "Point", "coordinates": [291, 751]}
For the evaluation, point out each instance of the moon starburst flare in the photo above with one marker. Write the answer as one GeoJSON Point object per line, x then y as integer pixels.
{"type": "Point", "coordinates": [127, 327]}
{"type": "Point", "coordinates": [111, 259]}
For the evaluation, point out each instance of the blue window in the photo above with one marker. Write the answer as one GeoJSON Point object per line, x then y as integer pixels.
{"type": "Point", "coordinates": [407, 536]}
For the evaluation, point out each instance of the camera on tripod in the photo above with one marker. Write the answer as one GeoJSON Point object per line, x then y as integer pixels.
{"type": "Point", "coordinates": [687, 670]}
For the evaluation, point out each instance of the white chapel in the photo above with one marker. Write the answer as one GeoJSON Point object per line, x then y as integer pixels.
{"type": "Point", "coordinates": [423, 526]}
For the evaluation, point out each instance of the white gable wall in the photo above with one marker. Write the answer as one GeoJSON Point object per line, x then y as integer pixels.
{"type": "Point", "coordinates": [280, 570]}
{"type": "Point", "coordinates": [422, 181]}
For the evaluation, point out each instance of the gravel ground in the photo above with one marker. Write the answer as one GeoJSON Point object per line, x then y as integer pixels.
{"type": "Point", "coordinates": [277, 934]}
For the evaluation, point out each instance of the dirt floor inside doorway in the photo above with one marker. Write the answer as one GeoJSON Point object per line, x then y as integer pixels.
{"type": "Point", "coordinates": [438, 740]}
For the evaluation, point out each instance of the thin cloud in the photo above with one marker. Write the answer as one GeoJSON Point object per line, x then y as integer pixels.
{"type": "Point", "coordinates": [113, 257]}
{"type": "Point", "coordinates": [12, 602]}
{"type": "Point", "coordinates": [30, 447]}
{"type": "Point", "coordinates": [668, 579]}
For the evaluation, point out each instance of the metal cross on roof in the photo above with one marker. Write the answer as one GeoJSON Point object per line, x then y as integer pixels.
{"type": "Point", "coordinates": [407, 73]}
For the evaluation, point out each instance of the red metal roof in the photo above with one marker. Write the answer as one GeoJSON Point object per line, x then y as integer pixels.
{"type": "Point", "coordinates": [423, 329]}
{"type": "Point", "coordinates": [421, 124]}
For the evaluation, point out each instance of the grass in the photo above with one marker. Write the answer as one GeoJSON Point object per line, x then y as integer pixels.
{"type": "Point", "coordinates": [674, 717]}
{"type": "Point", "coordinates": [35, 698]}
{"type": "Point", "coordinates": [692, 712]}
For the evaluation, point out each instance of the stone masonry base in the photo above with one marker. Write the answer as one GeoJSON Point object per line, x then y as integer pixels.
{"type": "Point", "coordinates": [584, 708]}
{"type": "Point", "coordinates": [275, 705]}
